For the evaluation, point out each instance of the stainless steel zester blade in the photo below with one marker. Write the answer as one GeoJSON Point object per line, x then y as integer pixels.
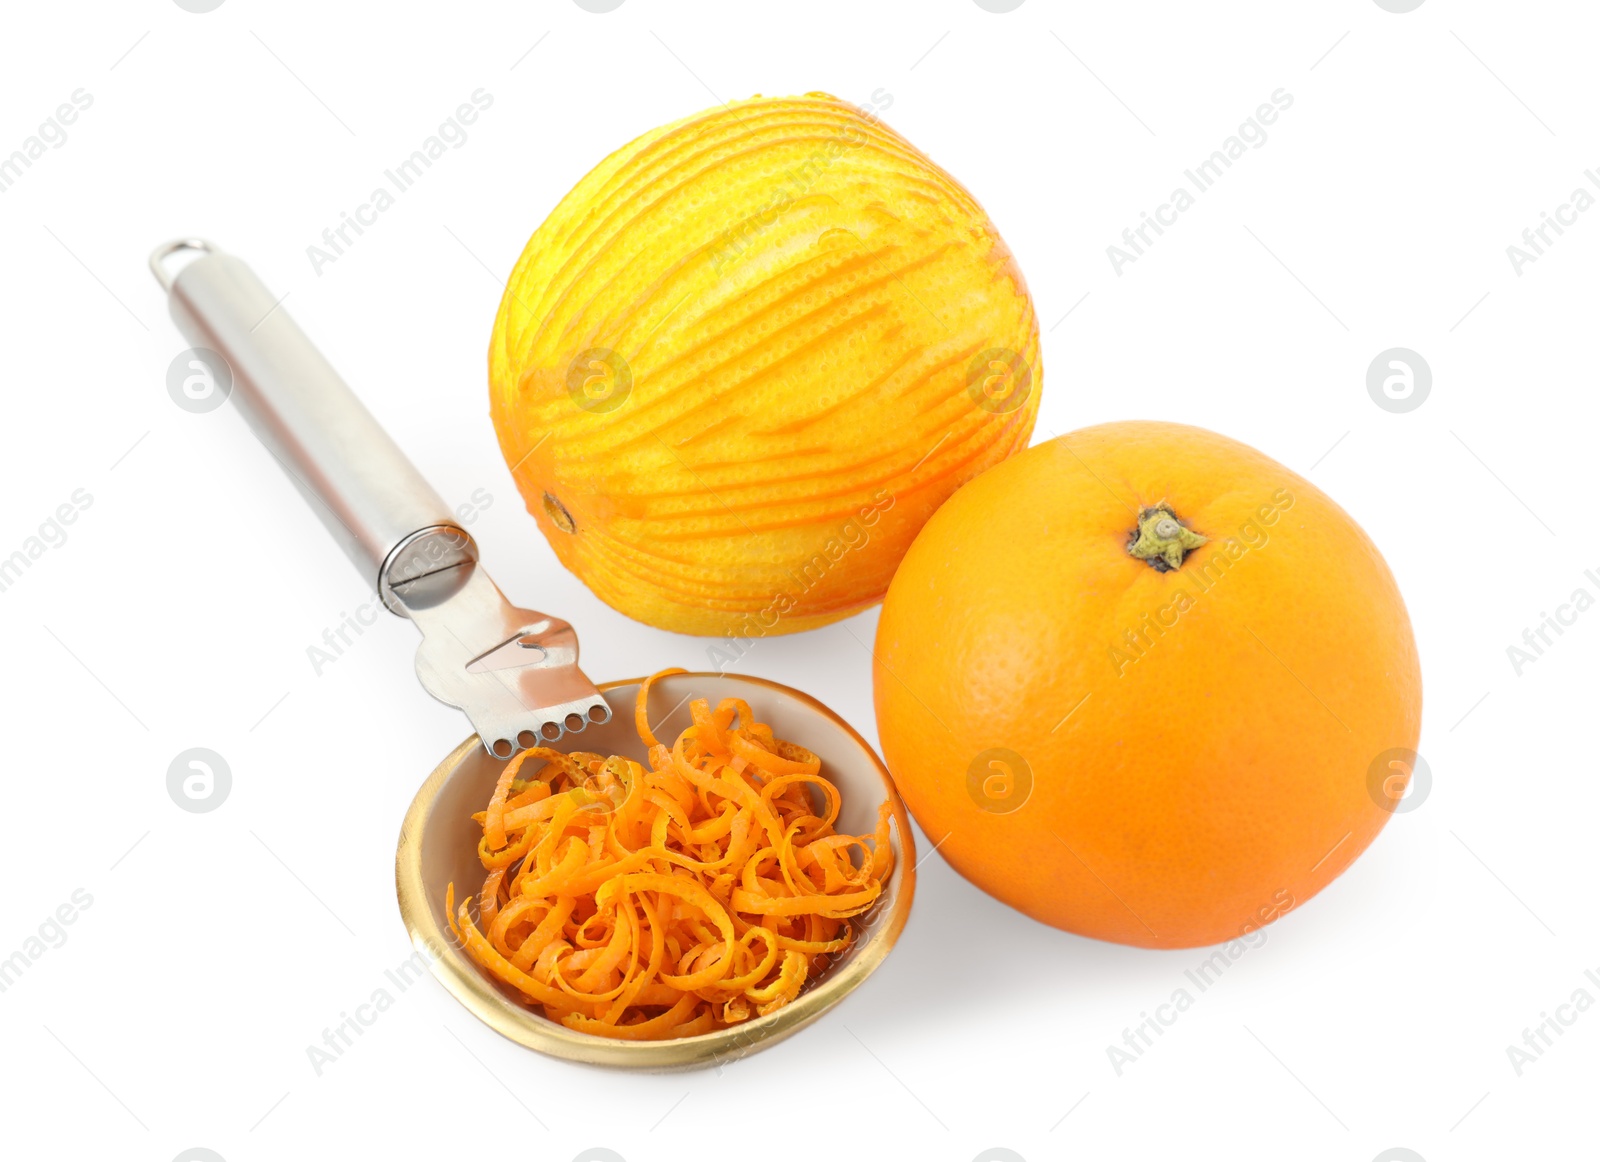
{"type": "Point", "coordinates": [513, 671]}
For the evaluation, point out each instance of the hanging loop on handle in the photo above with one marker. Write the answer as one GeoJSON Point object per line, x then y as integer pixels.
{"type": "Point", "coordinates": [159, 256]}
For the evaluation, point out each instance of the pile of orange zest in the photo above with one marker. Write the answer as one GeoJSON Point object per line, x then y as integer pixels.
{"type": "Point", "coordinates": [647, 904]}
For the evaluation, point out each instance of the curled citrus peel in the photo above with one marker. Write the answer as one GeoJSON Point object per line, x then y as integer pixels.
{"type": "Point", "coordinates": [646, 903]}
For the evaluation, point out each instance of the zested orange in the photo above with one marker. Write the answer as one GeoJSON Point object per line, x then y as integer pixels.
{"type": "Point", "coordinates": [1145, 684]}
{"type": "Point", "coordinates": [748, 355]}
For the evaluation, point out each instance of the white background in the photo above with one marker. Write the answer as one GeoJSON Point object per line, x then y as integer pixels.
{"type": "Point", "coordinates": [178, 1011]}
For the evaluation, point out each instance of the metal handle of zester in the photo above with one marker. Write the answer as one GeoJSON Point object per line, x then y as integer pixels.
{"type": "Point", "coordinates": [374, 502]}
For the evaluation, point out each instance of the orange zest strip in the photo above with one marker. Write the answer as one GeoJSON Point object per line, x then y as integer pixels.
{"type": "Point", "coordinates": [653, 902]}
{"type": "Point", "coordinates": [641, 706]}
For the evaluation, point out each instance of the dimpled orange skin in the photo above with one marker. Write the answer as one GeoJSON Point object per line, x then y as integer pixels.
{"type": "Point", "coordinates": [800, 298]}
{"type": "Point", "coordinates": [1189, 785]}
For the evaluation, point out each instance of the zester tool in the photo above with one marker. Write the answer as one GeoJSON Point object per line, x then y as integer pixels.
{"type": "Point", "coordinates": [514, 672]}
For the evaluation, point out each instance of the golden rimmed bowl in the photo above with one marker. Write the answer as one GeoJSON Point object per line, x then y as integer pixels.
{"type": "Point", "coordinates": [439, 845]}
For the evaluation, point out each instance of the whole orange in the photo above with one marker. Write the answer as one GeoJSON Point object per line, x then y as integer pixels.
{"type": "Point", "coordinates": [748, 355]}
{"type": "Point", "coordinates": [1143, 683]}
